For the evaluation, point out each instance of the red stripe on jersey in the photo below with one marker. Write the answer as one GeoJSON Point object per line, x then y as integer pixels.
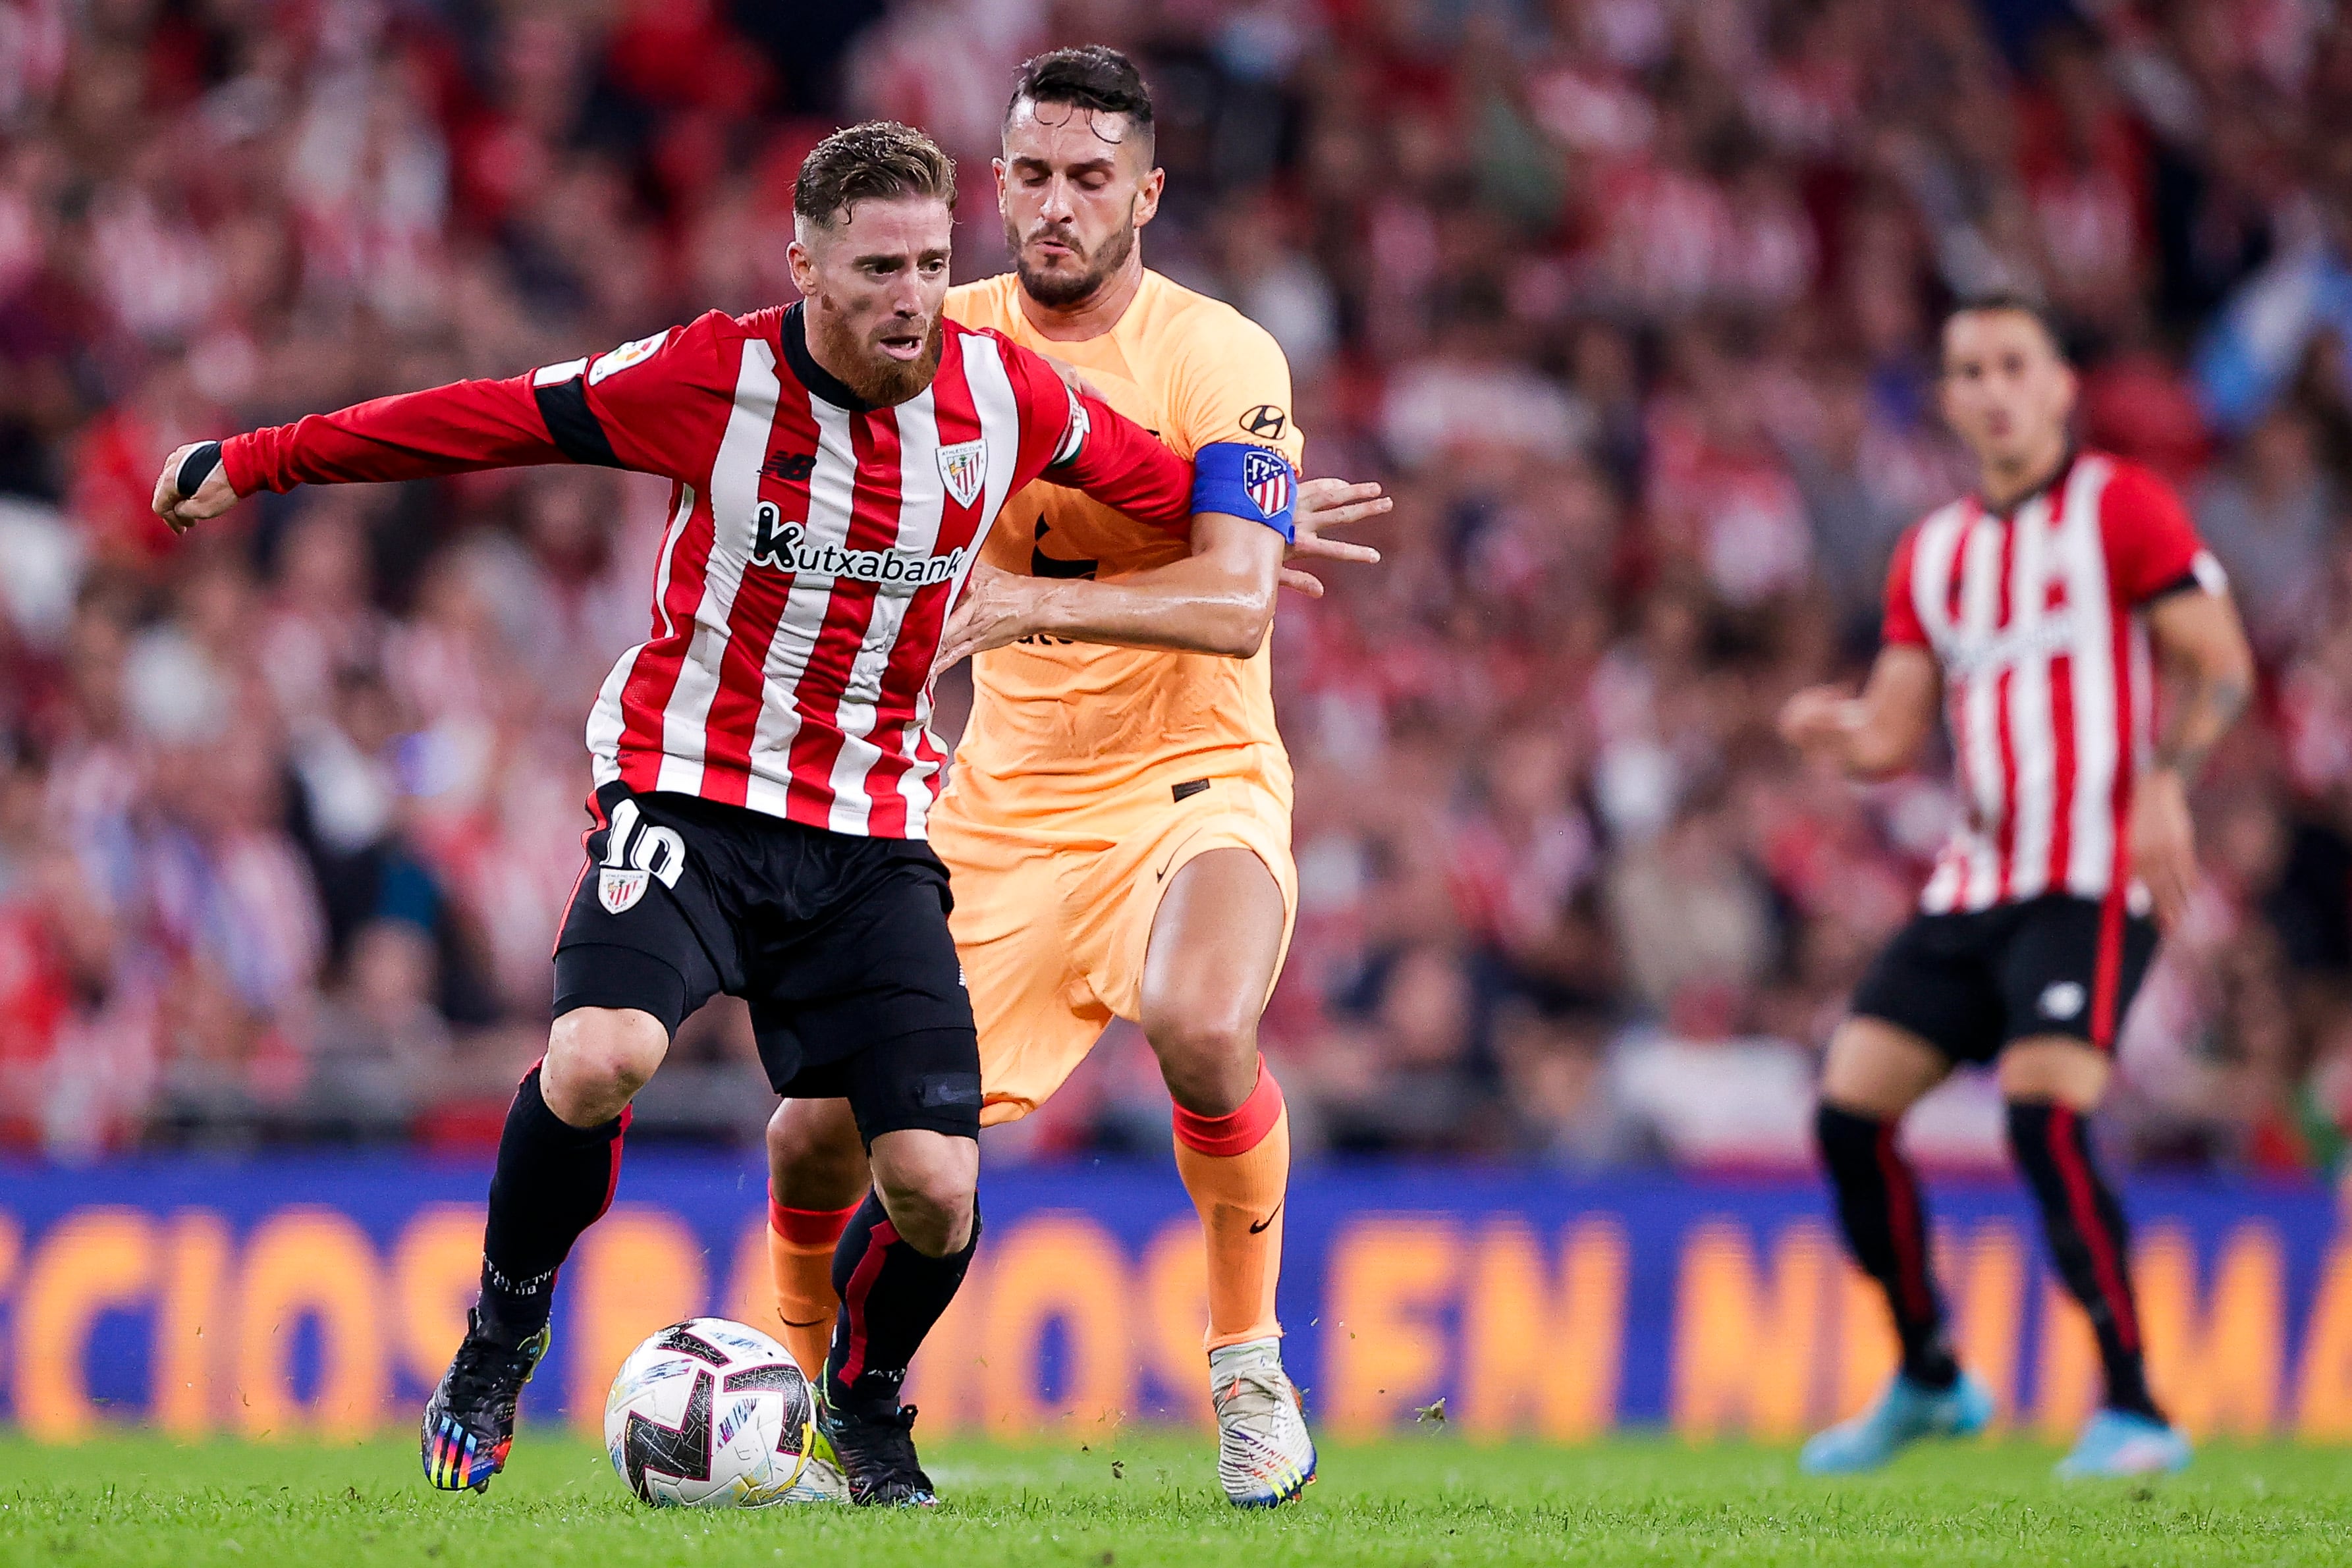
{"type": "Point", "coordinates": [1955, 705]}
{"type": "Point", "coordinates": [1956, 715]}
{"type": "Point", "coordinates": [909, 674]}
{"type": "Point", "coordinates": [760, 597]}
{"type": "Point", "coordinates": [2126, 760]}
{"type": "Point", "coordinates": [2062, 811]}
{"type": "Point", "coordinates": [1956, 578]}
{"type": "Point", "coordinates": [2005, 834]}
{"type": "Point", "coordinates": [873, 525]}
{"type": "Point", "coordinates": [654, 677]}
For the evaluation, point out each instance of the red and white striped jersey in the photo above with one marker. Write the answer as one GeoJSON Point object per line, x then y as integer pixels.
{"type": "Point", "coordinates": [2036, 619]}
{"type": "Point", "coordinates": [814, 548]}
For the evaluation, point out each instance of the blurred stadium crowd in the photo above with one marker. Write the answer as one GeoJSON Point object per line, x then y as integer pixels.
{"type": "Point", "coordinates": [1630, 302]}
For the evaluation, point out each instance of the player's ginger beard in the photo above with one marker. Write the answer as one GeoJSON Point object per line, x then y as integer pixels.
{"type": "Point", "coordinates": [877, 380]}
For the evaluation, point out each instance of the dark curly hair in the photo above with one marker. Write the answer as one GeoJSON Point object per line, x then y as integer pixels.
{"type": "Point", "coordinates": [1093, 77]}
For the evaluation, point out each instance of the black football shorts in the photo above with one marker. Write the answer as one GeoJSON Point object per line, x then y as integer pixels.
{"type": "Point", "coordinates": [1969, 983]}
{"type": "Point", "coordinates": [839, 944]}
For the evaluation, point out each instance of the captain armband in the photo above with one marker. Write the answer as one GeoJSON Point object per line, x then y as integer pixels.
{"type": "Point", "coordinates": [1245, 481]}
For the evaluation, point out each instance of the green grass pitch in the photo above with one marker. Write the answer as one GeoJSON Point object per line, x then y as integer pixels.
{"type": "Point", "coordinates": [1150, 1499]}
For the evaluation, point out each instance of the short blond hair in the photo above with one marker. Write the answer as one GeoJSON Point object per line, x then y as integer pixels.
{"type": "Point", "coordinates": [878, 160]}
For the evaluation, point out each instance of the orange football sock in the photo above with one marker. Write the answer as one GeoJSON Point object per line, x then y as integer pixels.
{"type": "Point", "coordinates": [800, 1259]}
{"type": "Point", "coordinates": [1237, 1168]}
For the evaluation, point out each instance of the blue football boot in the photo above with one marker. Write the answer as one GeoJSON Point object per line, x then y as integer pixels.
{"type": "Point", "coordinates": [1903, 1414]}
{"type": "Point", "coordinates": [2118, 1443]}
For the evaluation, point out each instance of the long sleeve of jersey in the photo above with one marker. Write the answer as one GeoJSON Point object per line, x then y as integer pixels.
{"type": "Point", "coordinates": [1124, 467]}
{"type": "Point", "coordinates": [1083, 444]}
{"type": "Point", "coordinates": [631, 408]}
{"type": "Point", "coordinates": [452, 429]}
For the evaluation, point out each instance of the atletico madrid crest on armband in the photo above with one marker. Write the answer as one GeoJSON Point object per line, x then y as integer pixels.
{"type": "Point", "coordinates": [963, 468]}
{"type": "Point", "coordinates": [1265, 475]}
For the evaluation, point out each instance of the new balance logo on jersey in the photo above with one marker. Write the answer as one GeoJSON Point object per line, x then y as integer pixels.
{"type": "Point", "coordinates": [636, 853]}
{"type": "Point", "coordinates": [786, 547]}
{"type": "Point", "coordinates": [791, 467]}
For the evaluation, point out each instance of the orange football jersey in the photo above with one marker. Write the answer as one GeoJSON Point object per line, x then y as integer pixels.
{"type": "Point", "coordinates": [1057, 725]}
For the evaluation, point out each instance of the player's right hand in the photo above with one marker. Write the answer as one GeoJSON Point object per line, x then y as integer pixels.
{"type": "Point", "coordinates": [1820, 718]}
{"type": "Point", "coordinates": [996, 609]}
{"type": "Point", "coordinates": [1329, 503]}
{"type": "Point", "coordinates": [180, 513]}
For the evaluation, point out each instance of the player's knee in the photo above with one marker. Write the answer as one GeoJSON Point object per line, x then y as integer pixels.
{"type": "Point", "coordinates": [1878, 1071]}
{"type": "Point", "coordinates": [814, 1158]}
{"type": "Point", "coordinates": [929, 1183]}
{"type": "Point", "coordinates": [1210, 1062]}
{"type": "Point", "coordinates": [597, 1060]}
{"type": "Point", "coordinates": [2056, 1071]}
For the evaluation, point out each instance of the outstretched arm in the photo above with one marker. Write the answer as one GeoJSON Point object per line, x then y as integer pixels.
{"type": "Point", "coordinates": [649, 405]}
{"type": "Point", "coordinates": [1878, 732]}
{"type": "Point", "coordinates": [451, 429]}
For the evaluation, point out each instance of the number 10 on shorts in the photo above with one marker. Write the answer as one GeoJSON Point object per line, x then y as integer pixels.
{"type": "Point", "coordinates": [635, 852]}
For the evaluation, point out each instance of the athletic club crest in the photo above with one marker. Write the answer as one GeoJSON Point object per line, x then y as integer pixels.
{"type": "Point", "coordinates": [1267, 476]}
{"type": "Point", "coordinates": [964, 468]}
{"type": "Point", "coordinates": [618, 888]}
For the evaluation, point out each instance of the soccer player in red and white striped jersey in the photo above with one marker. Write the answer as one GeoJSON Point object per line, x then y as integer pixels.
{"type": "Point", "coordinates": [2038, 614]}
{"type": "Point", "coordinates": [763, 761]}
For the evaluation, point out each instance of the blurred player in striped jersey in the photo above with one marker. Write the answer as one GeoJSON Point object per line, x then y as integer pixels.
{"type": "Point", "coordinates": [2038, 614]}
{"type": "Point", "coordinates": [1118, 823]}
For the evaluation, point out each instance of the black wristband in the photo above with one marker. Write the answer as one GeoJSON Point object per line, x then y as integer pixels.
{"type": "Point", "coordinates": [196, 467]}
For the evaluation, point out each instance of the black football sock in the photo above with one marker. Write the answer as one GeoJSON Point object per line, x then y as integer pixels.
{"type": "Point", "coordinates": [1887, 1230]}
{"type": "Point", "coordinates": [2088, 1240]}
{"type": "Point", "coordinates": [890, 1297]}
{"type": "Point", "coordinates": [554, 1181]}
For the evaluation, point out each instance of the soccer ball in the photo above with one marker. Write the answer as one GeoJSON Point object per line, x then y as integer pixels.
{"type": "Point", "coordinates": [710, 1414]}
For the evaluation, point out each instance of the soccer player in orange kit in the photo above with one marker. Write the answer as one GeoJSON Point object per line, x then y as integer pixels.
{"type": "Point", "coordinates": [1117, 827]}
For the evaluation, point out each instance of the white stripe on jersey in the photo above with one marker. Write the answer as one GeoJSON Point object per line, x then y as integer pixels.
{"type": "Point", "coordinates": [734, 492]}
{"type": "Point", "coordinates": [1932, 560]}
{"type": "Point", "coordinates": [1979, 703]}
{"type": "Point", "coordinates": [2036, 805]}
{"type": "Point", "coordinates": [606, 720]}
{"type": "Point", "coordinates": [833, 492]}
{"type": "Point", "coordinates": [922, 500]}
{"type": "Point", "coordinates": [2091, 842]}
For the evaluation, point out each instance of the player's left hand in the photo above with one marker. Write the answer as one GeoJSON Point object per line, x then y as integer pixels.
{"type": "Point", "coordinates": [2164, 843]}
{"type": "Point", "coordinates": [180, 513]}
{"type": "Point", "coordinates": [1073, 380]}
{"type": "Point", "coordinates": [994, 610]}
{"type": "Point", "coordinates": [1329, 503]}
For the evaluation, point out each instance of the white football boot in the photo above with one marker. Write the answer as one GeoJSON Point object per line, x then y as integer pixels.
{"type": "Point", "coordinates": [1265, 1455]}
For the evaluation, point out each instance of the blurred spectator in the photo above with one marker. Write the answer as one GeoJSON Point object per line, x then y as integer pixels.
{"type": "Point", "coordinates": [2270, 516]}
